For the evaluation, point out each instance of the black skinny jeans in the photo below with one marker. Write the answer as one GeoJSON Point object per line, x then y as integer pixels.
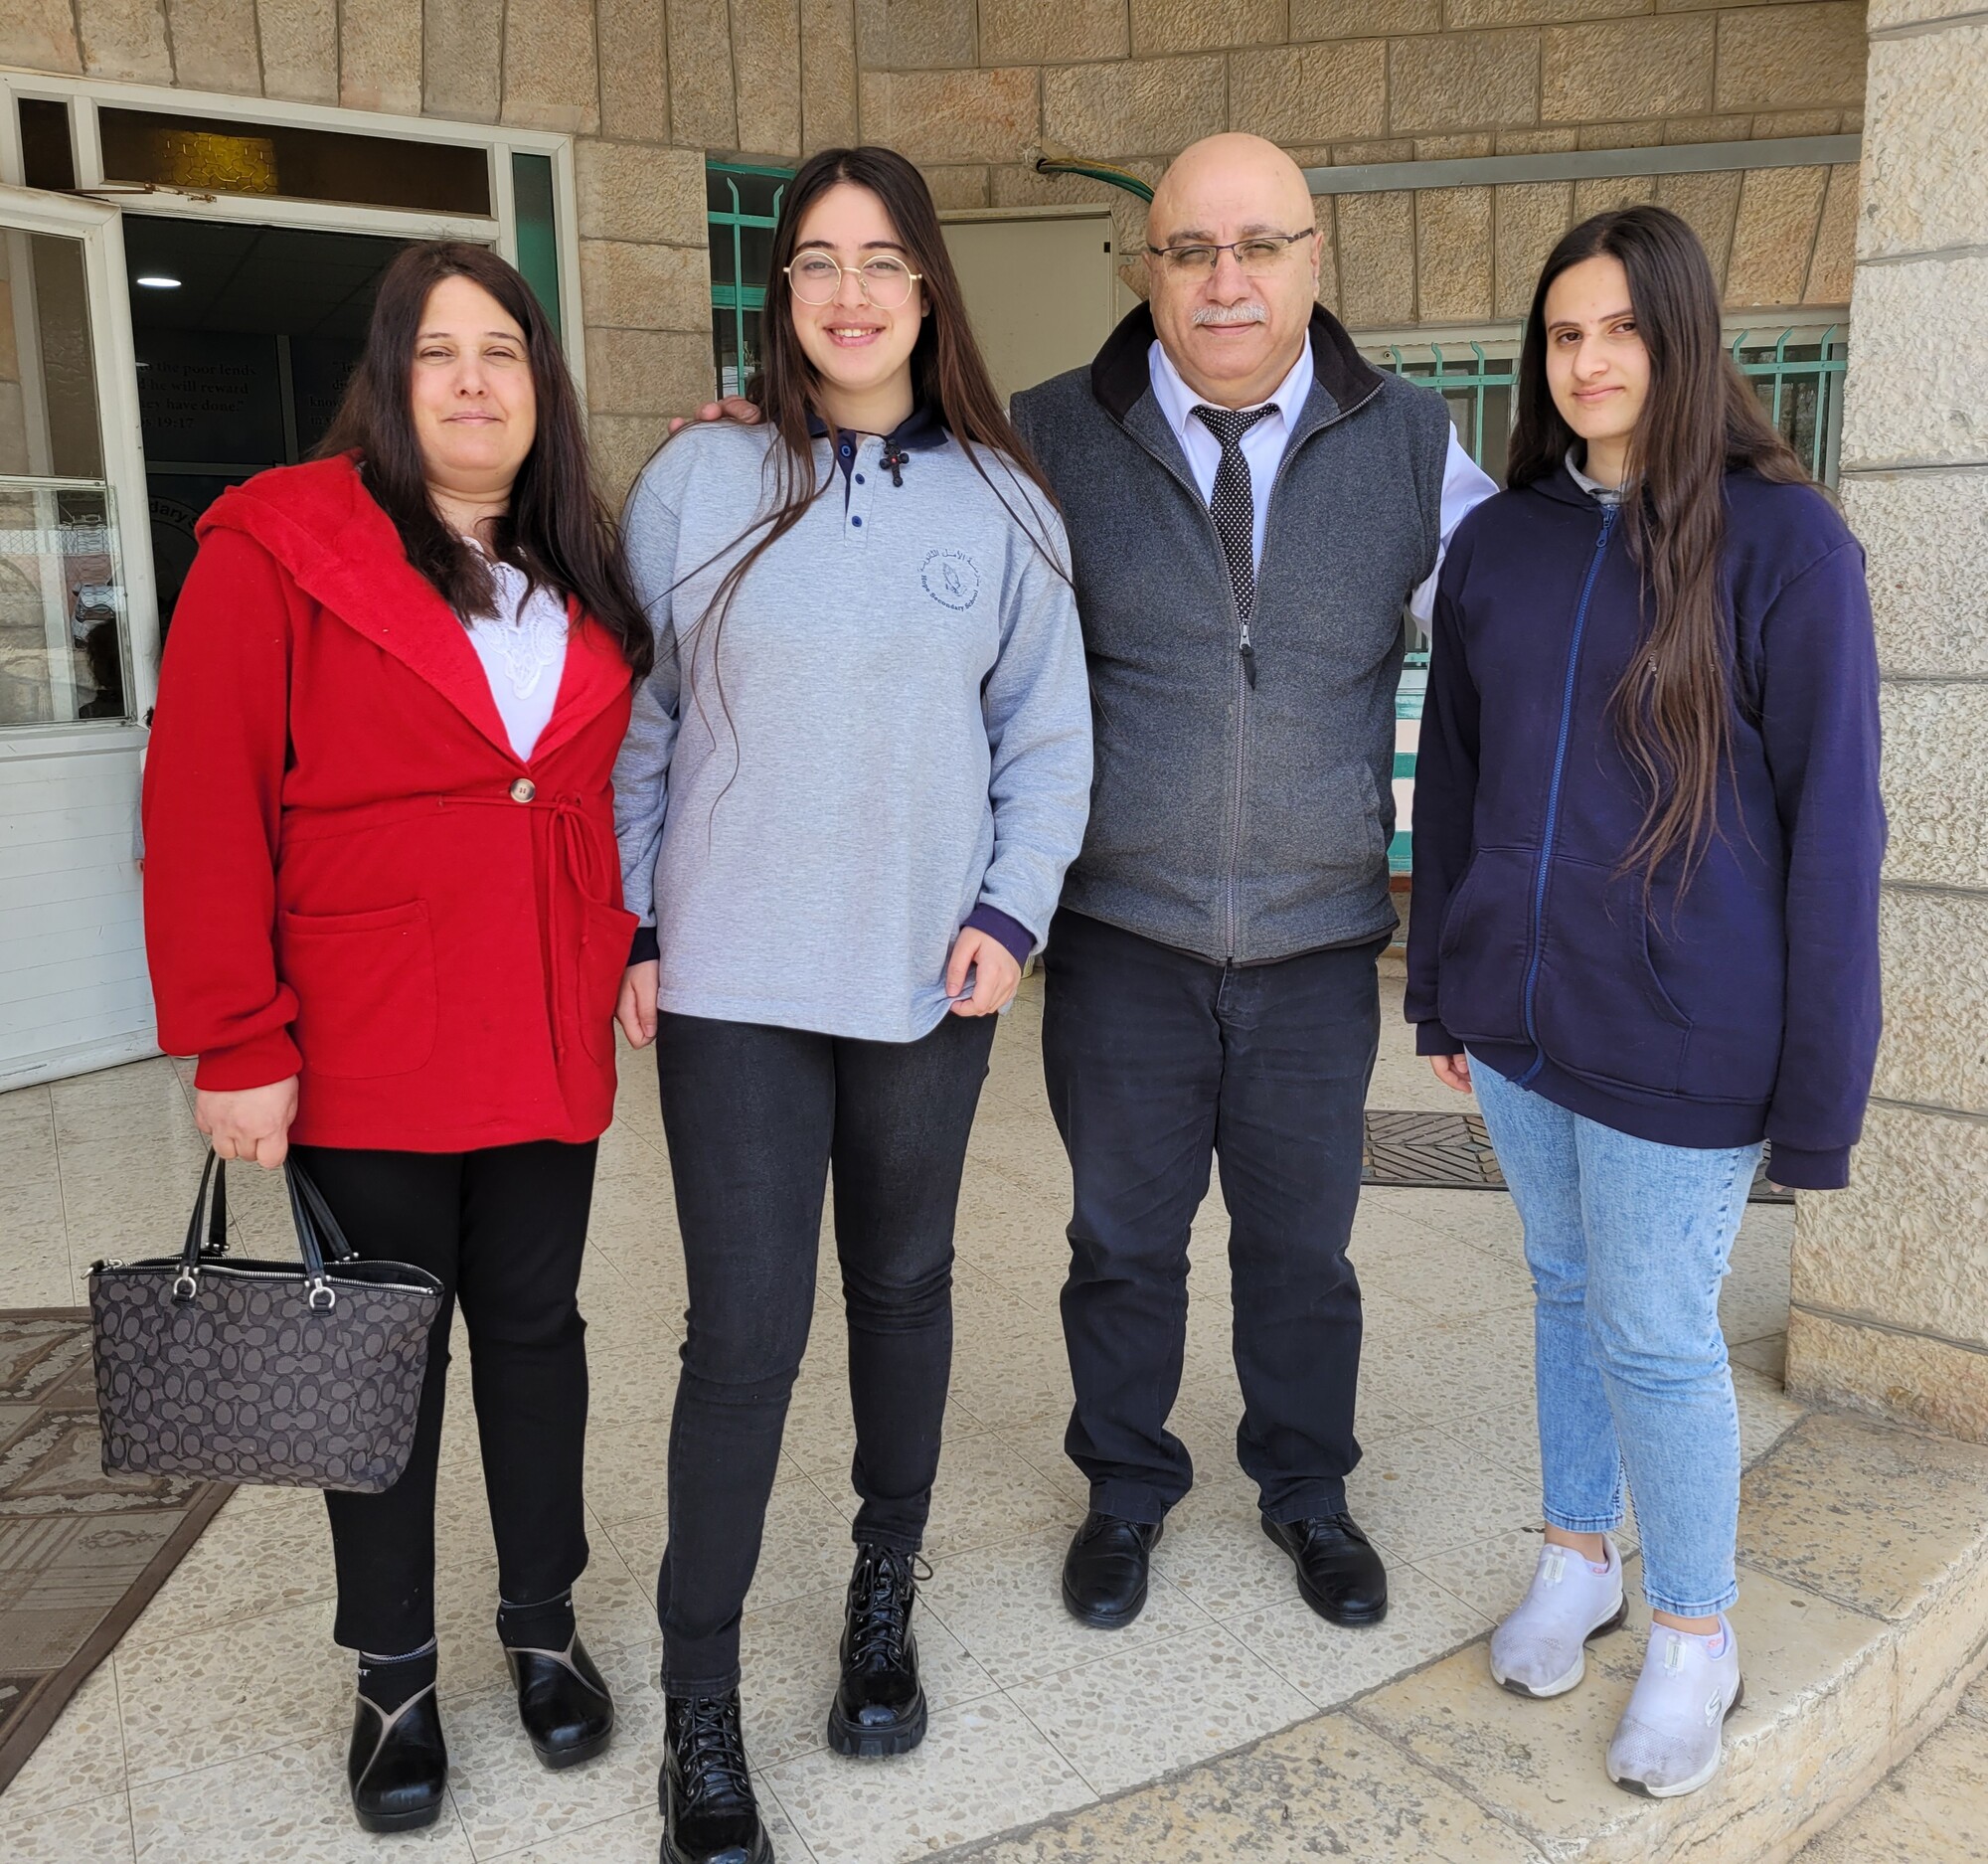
{"type": "Point", "coordinates": [503, 1228]}
{"type": "Point", "coordinates": [756, 1117]}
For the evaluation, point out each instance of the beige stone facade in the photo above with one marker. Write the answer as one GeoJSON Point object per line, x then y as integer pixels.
{"type": "Point", "coordinates": [972, 88]}
{"type": "Point", "coordinates": [1891, 1278]}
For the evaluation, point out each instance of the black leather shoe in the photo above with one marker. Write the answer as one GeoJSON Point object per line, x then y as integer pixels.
{"type": "Point", "coordinates": [1108, 1568]}
{"type": "Point", "coordinates": [880, 1706]}
{"type": "Point", "coordinates": [1339, 1573]}
{"type": "Point", "coordinates": [562, 1703]}
{"type": "Point", "coordinates": [708, 1813]}
{"type": "Point", "coordinates": [396, 1766]}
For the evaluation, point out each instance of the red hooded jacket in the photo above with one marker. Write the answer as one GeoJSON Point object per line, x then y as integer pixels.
{"type": "Point", "coordinates": [350, 877]}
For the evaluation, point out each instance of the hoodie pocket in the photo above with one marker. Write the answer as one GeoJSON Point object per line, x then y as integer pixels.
{"type": "Point", "coordinates": [1481, 953]}
{"type": "Point", "coordinates": [366, 990]}
{"type": "Point", "coordinates": [1600, 1009]}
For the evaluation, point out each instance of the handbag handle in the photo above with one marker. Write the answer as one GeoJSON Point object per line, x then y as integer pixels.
{"type": "Point", "coordinates": [213, 1175]}
{"type": "Point", "coordinates": [314, 1219]}
{"type": "Point", "coordinates": [319, 1237]}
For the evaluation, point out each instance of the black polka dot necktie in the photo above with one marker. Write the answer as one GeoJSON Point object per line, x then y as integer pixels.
{"type": "Point", "coordinates": [1234, 510]}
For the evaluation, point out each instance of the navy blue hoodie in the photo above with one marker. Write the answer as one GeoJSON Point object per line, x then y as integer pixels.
{"type": "Point", "coordinates": [1743, 1007]}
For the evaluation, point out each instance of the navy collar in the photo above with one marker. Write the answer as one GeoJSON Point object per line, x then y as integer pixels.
{"type": "Point", "coordinates": [920, 431]}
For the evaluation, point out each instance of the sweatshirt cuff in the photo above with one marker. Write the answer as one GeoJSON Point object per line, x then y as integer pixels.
{"type": "Point", "coordinates": [1801, 1170]}
{"type": "Point", "coordinates": [1012, 934]}
{"type": "Point", "coordinates": [1431, 1038]}
{"type": "Point", "coordinates": [259, 1062]}
{"type": "Point", "coordinates": [644, 949]}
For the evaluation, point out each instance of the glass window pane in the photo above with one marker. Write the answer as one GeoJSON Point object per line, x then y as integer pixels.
{"type": "Point", "coordinates": [62, 645]}
{"type": "Point", "coordinates": [224, 157]}
{"type": "Point", "coordinates": [538, 238]}
{"type": "Point", "coordinates": [735, 370]}
{"type": "Point", "coordinates": [48, 159]}
{"type": "Point", "coordinates": [64, 648]}
{"type": "Point", "coordinates": [48, 382]}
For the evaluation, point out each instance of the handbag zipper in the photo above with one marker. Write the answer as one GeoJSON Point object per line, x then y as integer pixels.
{"type": "Point", "coordinates": [265, 1274]}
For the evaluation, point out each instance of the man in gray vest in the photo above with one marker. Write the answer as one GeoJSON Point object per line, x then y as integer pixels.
{"type": "Point", "coordinates": [1250, 505]}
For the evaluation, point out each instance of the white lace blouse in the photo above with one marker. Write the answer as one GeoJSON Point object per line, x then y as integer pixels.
{"type": "Point", "coordinates": [523, 650]}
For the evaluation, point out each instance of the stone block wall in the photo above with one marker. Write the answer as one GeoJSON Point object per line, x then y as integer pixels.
{"type": "Point", "coordinates": [970, 88]}
{"type": "Point", "coordinates": [1891, 1278]}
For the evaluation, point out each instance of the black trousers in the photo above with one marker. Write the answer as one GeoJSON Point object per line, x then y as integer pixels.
{"type": "Point", "coordinates": [756, 1117]}
{"type": "Point", "coordinates": [1157, 1063]}
{"type": "Point", "coordinates": [503, 1229]}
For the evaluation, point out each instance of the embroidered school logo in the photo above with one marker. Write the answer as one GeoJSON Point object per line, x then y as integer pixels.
{"type": "Point", "coordinates": [951, 578]}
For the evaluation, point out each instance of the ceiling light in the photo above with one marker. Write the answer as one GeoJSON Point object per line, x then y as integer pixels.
{"type": "Point", "coordinates": [158, 281]}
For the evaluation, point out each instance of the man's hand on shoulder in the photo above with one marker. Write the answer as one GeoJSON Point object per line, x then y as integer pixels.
{"type": "Point", "coordinates": [731, 408]}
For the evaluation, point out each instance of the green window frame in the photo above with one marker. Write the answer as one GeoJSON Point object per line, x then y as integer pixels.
{"type": "Point", "coordinates": [742, 210]}
{"type": "Point", "coordinates": [1800, 386]}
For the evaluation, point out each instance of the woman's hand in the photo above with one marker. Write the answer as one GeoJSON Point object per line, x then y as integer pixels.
{"type": "Point", "coordinates": [636, 1011]}
{"type": "Point", "coordinates": [249, 1124]}
{"type": "Point", "coordinates": [732, 408]}
{"type": "Point", "coordinates": [996, 975]}
{"type": "Point", "coordinates": [1453, 1071]}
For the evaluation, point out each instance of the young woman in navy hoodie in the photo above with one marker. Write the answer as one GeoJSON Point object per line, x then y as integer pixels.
{"type": "Point", "coordinates": [1644, 927]}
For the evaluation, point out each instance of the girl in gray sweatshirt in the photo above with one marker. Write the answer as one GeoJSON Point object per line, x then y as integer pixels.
{"type": "Point", "coordinates": [844, 806]}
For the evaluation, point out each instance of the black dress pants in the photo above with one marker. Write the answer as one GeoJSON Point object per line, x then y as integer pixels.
{"type": "Point", "coordinates": [1158, 1062]}
{"type": "Point", "coordinates": [756, 1115]}
{"type": "Point", "coordinates": [503, 1229]}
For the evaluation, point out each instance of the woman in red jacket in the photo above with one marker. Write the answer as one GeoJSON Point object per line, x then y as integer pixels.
{"type": "Point", "coordinates": [383, 906]}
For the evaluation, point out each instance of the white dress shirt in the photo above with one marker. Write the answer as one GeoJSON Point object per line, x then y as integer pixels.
{"type": "Point", "coordinates": [1465, 484]}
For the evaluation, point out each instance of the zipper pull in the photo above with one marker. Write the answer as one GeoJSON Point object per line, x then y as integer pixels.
{"type": "Point", "coordinates": [1248, 654]}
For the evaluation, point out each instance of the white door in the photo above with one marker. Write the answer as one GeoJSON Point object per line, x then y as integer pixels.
{"type": "Point", "coordinates": [1042, 293]}
{"type": "Point", "coordinates": [77, 644]}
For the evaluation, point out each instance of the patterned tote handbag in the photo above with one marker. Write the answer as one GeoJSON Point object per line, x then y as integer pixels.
{"type": "Point", "coordinates": [298, 1375]}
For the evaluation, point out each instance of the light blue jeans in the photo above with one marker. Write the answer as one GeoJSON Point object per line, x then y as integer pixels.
{"type": "Point", "coordinates": [1627, 1241]}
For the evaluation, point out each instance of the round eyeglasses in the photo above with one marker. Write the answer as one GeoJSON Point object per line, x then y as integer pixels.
{"type": "Point", "coordinates": [885, 281]}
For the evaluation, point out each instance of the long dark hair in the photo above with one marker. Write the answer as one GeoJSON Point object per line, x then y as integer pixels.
{"type": "Point", "coordinates": [1673, 709]}
{"type": "Point", "coordinates": [948, 374]}
{"type": "Point", "coordinates": [556, 531]}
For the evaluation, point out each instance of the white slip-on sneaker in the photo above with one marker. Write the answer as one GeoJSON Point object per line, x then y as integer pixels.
{"type": "Point", "coordinates": [1541, 1650]}
{"type": "Point", "coordinates": [1672, 1735]}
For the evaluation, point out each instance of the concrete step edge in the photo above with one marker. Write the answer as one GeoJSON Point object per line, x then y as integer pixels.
{"type": "Point", "coordinates": [1863, 1619]}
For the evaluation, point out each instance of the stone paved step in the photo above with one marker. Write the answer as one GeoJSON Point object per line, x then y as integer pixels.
{"type": "Point", "coordinates": [1930, 1810]}
{"type": "Point", "coordinates": [1863, 1622]}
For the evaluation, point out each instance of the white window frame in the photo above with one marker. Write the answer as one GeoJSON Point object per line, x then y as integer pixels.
{"type": "Point", "coordinates": [498, 228]}
{"type": "Point", "coordinates": [99, 230]}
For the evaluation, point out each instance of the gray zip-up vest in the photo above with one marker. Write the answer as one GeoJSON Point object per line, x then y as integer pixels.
{"type": "Point", "coordinates": [1241, 822]}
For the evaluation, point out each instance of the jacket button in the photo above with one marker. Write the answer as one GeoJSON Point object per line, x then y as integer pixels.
{"type": "Point", "coordinates": [523, 789]}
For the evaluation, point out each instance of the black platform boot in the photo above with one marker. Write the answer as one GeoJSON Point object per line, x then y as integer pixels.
{"type": "Point", "coordinates": [709, 1815]}
{"type": "Point", "coordinates": [880, 1707]}
{"type": "Point", "coordinates": [398, 1764]}
{"type": "Point", "coordinates": [561, 1699]}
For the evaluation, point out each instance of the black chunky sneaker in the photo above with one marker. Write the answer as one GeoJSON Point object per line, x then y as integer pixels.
{"type": "Point", "coordinates": [398, 1764]}
{"type": "Point", "coordinates": [880, 1706]}
{"type": "Point", "coordinates": [708, 1813]}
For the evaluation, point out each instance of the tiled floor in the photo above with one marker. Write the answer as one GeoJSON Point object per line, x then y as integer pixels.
{"type": "Point", "coordinates": [216, 1733]}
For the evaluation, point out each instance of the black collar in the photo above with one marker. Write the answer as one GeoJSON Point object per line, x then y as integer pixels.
{"type": "Point", "coordinates": [1122, 369]}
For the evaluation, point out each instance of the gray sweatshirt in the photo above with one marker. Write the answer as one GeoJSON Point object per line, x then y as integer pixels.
{"type": "Point", "coordinates": [891, 728]}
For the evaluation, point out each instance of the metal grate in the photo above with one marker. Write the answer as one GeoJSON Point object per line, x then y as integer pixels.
{"type": "Point", "coordinates": [1452, 1152]}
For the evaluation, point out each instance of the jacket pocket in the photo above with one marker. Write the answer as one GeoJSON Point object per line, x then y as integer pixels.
{"type": "Point", "coordinates": [1481, 952]}
{"type": "Point", "coordinates": [1600, 1009]}
{"type": "Point", "coordinates": [603, 960]}
{"type": "Point", "coordinates": [366, 990]}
